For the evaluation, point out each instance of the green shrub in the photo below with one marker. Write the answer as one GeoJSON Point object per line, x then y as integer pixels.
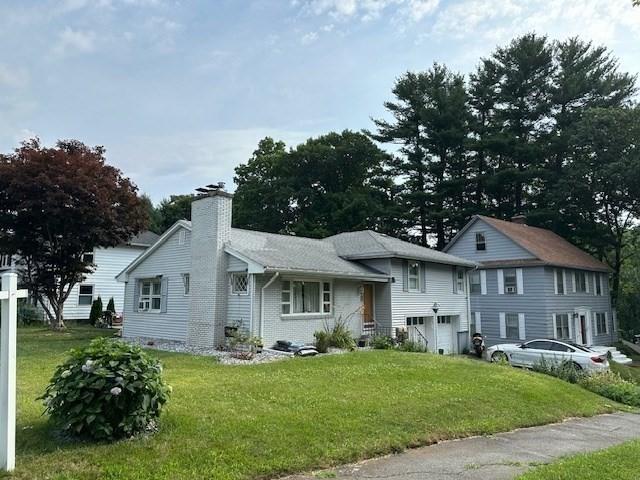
{"type": "Point", "coordinates": [96, 311]}
{"type": "Point", "coordinates": [382, 342]}
{"type": "Point", "coordinates": [339, 335]}
{"type": "Point", "coordinates": [106, 391]}
{"type": "Point", "coordinates": [611, 385]}
{"type": "Point", "coordinates": [111, 306]}
{"type": "Point", "coordinates": [28, 314]}
{"type": "Point", "coordinates": [565, 370]}
{"type": "Point", "coordinates": [411, 346]}
{"type": "Point", "coordinates": [323, 340]}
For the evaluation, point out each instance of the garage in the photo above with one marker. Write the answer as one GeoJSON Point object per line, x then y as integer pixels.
{"type": "Point", "coordinates": [445, 333]}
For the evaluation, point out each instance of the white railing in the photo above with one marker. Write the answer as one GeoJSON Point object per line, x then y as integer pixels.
{"type": "Point", "coordinates": [5, 262]}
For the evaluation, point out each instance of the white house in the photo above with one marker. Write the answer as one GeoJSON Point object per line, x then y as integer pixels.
{"type": "Point", "coordinates": [202, 276]}
{"type": "Point", "coordinates": [102, 282]}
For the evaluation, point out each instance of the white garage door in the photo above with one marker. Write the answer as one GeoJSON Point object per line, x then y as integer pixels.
{"type": "Point", "coordinates": [417, 329]}
{"type": "Point", "coordinates": [445, 333]}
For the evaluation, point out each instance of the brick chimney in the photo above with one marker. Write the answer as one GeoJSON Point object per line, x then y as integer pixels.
{"type": "Point", "coordinates": [519, 219]}
{"type": "Point", "coordinates": [210, 230]}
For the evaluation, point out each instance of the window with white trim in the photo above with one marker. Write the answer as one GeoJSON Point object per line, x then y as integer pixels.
{"type": "Point", "coordinates": [150, 298]}
{"type": "Point", "coordinates": [559, 281]}
{"type": "Point", "coordinates": [601, 324]}
{"type": "Point", "coordinates": [562, 326]}
{"type": "Point", "coordinates": [580, 279]}
{"type": "Point", "coordinates": [510, 281]}
{"type": "Point", "coordinates": [413, 275]}
{"type": "Point", "coordinates": [186, 283]}
{"type": "Point", "coordinates": [306, 297]}
{"type": "Point", "coordinates": [445, 319]}
{"type": "Point", "coordinates": [481, 242]}
{"type": "Point", "coordinates": [598, 278]}
{"type": "Point", "coordinates": [85, 294]}
{"type": "Point", "coordinates": [88, 257]}
{"type": "Point", "coordinates": [476, 283]}
{"type": "Point", "coordinates": [512, 324]}
{"type": "Point", "coordinates": [459, 280]}
{"type": "Point", "coordinates": [239, 283]}
{"type": "Point", "coordinates": [416, 321]}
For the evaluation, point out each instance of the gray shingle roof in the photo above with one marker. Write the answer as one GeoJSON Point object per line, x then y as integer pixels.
{"type": "Point", "coordinates": [369, 244]}
{"type": "Point", "coordinates": [144, 239]}
{"type": "Point", "coordinates": [296, 254]}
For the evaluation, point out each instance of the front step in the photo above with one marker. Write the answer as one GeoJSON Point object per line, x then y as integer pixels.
{"type": "Point", "coordinates": [616, 356]}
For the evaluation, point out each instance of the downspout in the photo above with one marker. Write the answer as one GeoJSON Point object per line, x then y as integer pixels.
{"type": "Point", "coordinates": [273, 279]}
{"type": "Point", "coordinates": [468, 291]}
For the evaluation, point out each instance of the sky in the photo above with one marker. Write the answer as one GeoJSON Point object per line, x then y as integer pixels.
{"type": "Point", "coordinates": [180, 92]}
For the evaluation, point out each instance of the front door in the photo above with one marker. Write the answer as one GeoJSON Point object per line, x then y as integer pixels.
{"type": "Point", "coordinates": [583, 328]}
{"type": "Point", "coordinates": [367, 307]}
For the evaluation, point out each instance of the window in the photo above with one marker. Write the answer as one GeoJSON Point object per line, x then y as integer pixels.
{"type": "Point", "coordinates": [416, 321]}
{"type": "Point", "coordinates": [601, 324]}
{"type": "Point", "coordinates": [444, 320]}
{"type": "Point", "coordinates": [510, 281]}
{"type": "Point", "coordinates": [414, 276]}
{"type": "Point", "coordinates": [559, 281]}
{"type": "Point", "coordinates": [88, 257]}
{"type": "Point", "coordinates": [598, 280]}
{"type": "Point", "coordinates": [85, 295]}
{"type": "Point", "coordinates": [512, 326]}
{"type": "Point", "coordinates": [239, 283]}
{"type": "Point", "coordinates": [539, 345]}
{"type": "Point", "coordinates": [559, 347]}
{"type": "Point", "coordinates": [150, 298]}
{"type": "Point", "coordinates": [562, 326]}
{"type": "Point", "coordinates": [481, 243]}
{"type": "Point", "coordinates": [580, 282]}
{"type": "Point", "coordinates": [186, 283]}
{"type": "Point", "coordinates": [476, 286]}
{"type": "Point", "coordinates": [459, 280]}
{"type": "Point", "coordinates": [301, 296]}
{"type": "Point", "coordinates": [182, 237]}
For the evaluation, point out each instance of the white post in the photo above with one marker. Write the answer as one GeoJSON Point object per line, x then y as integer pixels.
{"type": "Point", "coordinates": [9, 295]}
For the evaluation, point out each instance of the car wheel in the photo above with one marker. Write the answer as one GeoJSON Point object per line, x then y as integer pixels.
{"type": "Point", "coordinates": [499, 357]}
{"type": "Point", "coordinates": [577, 366]}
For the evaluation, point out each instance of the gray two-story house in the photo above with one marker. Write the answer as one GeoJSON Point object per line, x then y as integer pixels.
{"type": "Point", "coordinates": [531, 283]}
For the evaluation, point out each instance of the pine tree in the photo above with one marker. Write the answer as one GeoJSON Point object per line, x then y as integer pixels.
{"type": "Point", "coordinates": [96, 311]}
{"type": "Point", "coordinates": [111, 306]}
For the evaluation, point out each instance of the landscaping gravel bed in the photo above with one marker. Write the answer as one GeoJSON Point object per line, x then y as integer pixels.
{"type": "Point", "coordinates": [223, 356]}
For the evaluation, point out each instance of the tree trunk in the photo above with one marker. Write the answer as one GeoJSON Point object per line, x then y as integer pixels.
{"type": "Point", "coordinates": [615, 278]}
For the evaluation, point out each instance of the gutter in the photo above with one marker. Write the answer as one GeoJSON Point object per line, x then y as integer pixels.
{"type": "Point", "coordinates": [262, 290]}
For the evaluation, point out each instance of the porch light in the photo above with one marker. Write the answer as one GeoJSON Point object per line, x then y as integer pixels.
{"type": "Point", "coordinates": [435, 308]}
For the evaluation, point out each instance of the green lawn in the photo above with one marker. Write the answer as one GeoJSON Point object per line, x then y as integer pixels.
{"type": "Point", "coordinates": [232, 422]}
{"type": "Point", "coordinates": [619, 463]}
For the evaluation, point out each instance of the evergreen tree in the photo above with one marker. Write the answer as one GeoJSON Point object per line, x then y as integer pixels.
{"type": "Point", "coordinates": [111, 306]}
{"type": "Point", "coordinates": [96, 311]}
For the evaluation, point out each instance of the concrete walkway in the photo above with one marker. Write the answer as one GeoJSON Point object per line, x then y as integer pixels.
{"type": "Point", "coordinates": [501, 456]}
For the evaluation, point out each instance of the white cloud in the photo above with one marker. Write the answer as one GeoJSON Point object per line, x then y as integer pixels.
{"type": "Point", "coordinates": [367, 10]}
{"type": "Point", "coordinates": [184, 161]}
{"type": "Point", "coordinates": [75, 41]}
{"type": "Point", "coordinates": [13, 77]}
{"type": "Point", "coordinates": [309, 37]}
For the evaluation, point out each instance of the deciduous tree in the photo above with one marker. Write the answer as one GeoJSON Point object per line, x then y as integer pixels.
{"type": "Point", "coordinates": [55, 205]}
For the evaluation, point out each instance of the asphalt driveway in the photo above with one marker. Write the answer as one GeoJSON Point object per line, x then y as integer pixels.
{"type": "Point", "coordinates": [501, 456]}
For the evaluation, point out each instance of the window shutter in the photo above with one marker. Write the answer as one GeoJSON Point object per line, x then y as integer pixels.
{"type": "Point", "coordinates": [521, 327]}
{"type": "Point", "coordinates": [564, 281]}
{"type": "Point", "coordinates": [478, 322]}
{"type": "Point", "coordinates": [500, 282]}
{"type": "Point", "coordinates": [136, 294]}
{"type": "Point", "coordinates": [164, 288]}
{"type": "Point", "coordinates": [423, 277]}
{"type": "Point", "coordinates": [483, 282]}
{"type": "Point", "coordinates": [606, 323]}
{"type": "Point", "coordinates": [555, 325]}
{"type": "Point", "coordinates": [519, 281]}
{"type": "Point", "coordinates": [405, 276]}
{"type": "Point", "coordinates": [555, 280]}
{"type": "Point", "coordinates": [574, 282]}
{"type": "Point", "coordinates": [503, 325]}
{"type": "Point", "coordinates": [454, 280]}
{"type": "Point", "coordinates": [596, 278]}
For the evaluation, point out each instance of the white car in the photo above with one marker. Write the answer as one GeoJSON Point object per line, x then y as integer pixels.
{"type": "Point", "coordinates": [530, 353]}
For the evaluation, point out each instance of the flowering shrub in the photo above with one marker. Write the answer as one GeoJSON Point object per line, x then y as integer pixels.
{"type": "Point", "coordinates": [106, 391]}
{"type": "Point", "coordinates": [611, 385]}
